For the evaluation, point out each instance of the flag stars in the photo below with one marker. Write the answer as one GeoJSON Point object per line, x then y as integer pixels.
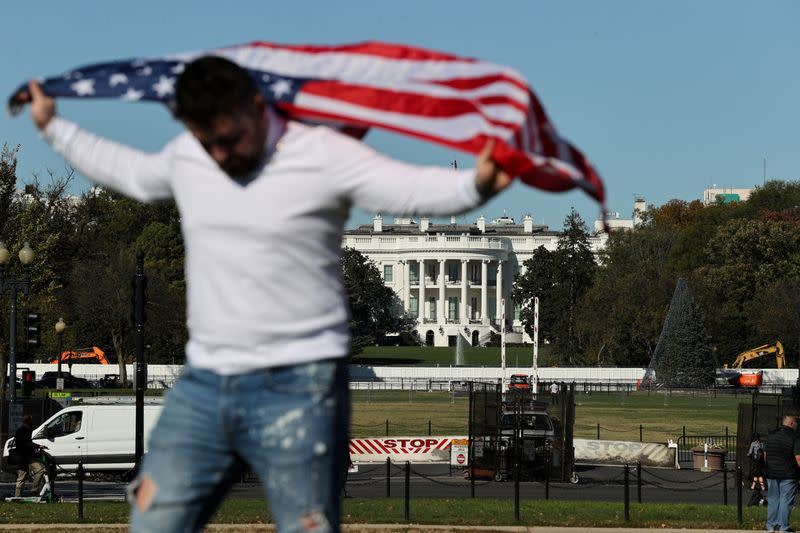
{"type": "Point", "coordinates": [281, 88]}
{"type": "Point", "coordinates": [164, 86]}
{"type": "Point", "coordinates": [84, 87]}
{"type": "Point", "coordinates": [117, 79]}
{"type": "Point", "coordinates": [178, 69]}
{"type": "Point", "coordinates": [132, 95]}
{"type": "Point", "coordinates": [145, 71]}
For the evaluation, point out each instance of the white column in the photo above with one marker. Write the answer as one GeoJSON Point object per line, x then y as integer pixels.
{"type": "Point", "coordinates": [498, 312]}
{"type": "Point", "coordinates": [442, 305]}
{"type": "Point", "coordinates": [406, 284]}
{"type": "Point", "coordinates": [422, 313]}
{"type": "Point", "coordinates": [464, 319]}
{"type": "Point", "coordinates": [484, 291]}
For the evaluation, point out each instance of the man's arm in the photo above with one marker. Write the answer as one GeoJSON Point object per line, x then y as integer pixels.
{"type": "Point", "coordinates": [132, 172]}
{"type": "Point", "coordinates": [377, 183]}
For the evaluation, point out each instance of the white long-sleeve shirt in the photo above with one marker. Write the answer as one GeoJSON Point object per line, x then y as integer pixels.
{"type": "Point", "coordinates": [262, 260]}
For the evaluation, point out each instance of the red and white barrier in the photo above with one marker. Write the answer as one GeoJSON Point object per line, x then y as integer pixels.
{"type": "Point", "coordinates": [401, 449]}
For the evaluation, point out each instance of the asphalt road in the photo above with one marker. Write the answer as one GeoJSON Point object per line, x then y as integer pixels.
{"type": "Point", "coordinates": [436, 481]}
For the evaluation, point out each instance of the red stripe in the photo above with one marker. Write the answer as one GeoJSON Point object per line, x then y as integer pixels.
{"type": "Point", "coordinates": [354, 446]}
{"type": "Point", "coordinates": [371, 48]}
{"type": "Point", "coordinates": [444, 441]}
{"type": "Point", "coordinates": [479, 81]}
{"type": "Point", "coordinates": [377, 446]}
{"type": "Point", "coordinates": [409, 103]}
{"type": "Point", "coordinates": [426, 450]}
{"type": "Point", "coordinates": [365, 447]}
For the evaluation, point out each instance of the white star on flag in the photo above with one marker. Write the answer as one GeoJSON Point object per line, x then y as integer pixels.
{"type": "Point", "coordinates": [84, 87]}
{"type": "Point", "coordinates": [146, 71]}
{"type": "Point", "coordinates": [178, 69]}
{"type": "Point", "coordinates": [132, 95]}
{"type": "Point", "coordinates": [164, 86]}
{"type": "Point", "coordinates": [281, 87]}
{"type": "Point", "coordinates": [116, 79]}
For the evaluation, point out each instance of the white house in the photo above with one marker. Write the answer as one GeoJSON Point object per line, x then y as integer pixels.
{"type": "Point", "coordinates": [452, 277]}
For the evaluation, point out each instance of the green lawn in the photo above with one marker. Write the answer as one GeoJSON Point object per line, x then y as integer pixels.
{"type": "Point", "coordinates": [661, 415]}
{"type": "Point", "coordinates": [477, 512]}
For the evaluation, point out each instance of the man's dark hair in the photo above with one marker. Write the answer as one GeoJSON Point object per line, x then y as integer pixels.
{"type": "Point", "coordinates": [211, 87]}
{"type": "Point", "coordinates": [27, 420]}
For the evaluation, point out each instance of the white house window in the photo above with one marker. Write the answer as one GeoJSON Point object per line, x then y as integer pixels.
{"type": "Point", "coordinates": [431, 271]}
{"type": "Point", "coordinates": [413, 273]}
{"type": "Point", "coordinates": [452, 308]}
{"type": "Point", "coordinates": [388, 274]}
{"type": "Point", "coordinates": [432, 302]}
{"type": "Point", "coordinates": [452, 271]}
{"type": "Point", "coordinates": [413, 307]}
{"type": "Point", "coordinates": [474, 272]}
{"type": "Point", "coordinates": [474, 307]}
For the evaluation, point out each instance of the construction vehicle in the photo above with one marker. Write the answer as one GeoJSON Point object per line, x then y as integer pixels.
{"type": "Point", "coordinates": [95, 355]}
{"type": "Point", "coordinates": [736, 376]}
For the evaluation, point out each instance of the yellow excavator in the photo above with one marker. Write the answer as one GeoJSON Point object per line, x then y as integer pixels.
{"type": "Point", "coordinates": [752, 379]}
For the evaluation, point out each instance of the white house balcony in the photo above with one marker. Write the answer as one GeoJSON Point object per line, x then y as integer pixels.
{"type": "Point", "coordinates": [409, 243]}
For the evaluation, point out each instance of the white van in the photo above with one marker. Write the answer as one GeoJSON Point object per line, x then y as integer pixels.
{"type": "Point", "coordinates": [103, 436]}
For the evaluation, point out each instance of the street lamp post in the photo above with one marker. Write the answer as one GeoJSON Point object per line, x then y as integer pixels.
{"type": "Point", "coordinates": [14, 285]}
{"type": "Point", "coordinates": [60, 327]}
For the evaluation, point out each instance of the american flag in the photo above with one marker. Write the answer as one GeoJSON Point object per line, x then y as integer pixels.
{"type": "Point", "coordinates": [433, 96]}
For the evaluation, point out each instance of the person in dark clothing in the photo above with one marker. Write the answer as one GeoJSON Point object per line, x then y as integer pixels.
{"type": "Point", "coordinates": [757, 485]}
{"type": "Point", "coordinates": [27, 458]}
{"type": "Point", "coordinates": [782, 457]}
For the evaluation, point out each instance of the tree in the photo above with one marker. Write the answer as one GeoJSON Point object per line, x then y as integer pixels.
{"type": "Point", "coordinates": [577, 272]}
{"type": "Point", "coordinates": [683, 356]}
{"type": "Point", "coordinates": [374, 308]}
{"type": "Point", "coordinates": [559, 279]}
{"type": "Point", "coordinates": [621, 315]}
{"type": "Point", "coordinates": [538, 280]}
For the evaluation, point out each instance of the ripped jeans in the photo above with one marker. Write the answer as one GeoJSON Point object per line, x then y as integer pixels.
{"type": "Point", "coordinates": [289, 424]}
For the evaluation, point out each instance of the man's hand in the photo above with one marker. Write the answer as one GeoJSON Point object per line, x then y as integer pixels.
{"type": "Point", "coordinates": [43, 107]}
{"type": "Point", "coordinates": [490, 179]}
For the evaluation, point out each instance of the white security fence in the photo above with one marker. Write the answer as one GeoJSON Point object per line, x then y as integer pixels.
{"type": "Point", "coordinates": [362, 377]}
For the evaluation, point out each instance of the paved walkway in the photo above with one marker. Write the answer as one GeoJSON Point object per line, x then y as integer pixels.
{"type": "Point", "coordinates": [357, 528]}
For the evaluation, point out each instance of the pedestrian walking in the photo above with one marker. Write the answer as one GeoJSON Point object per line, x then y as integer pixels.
{"type": "Point", "coordinates": [757, 483]}
{"type": "Point", "coordinates": [266, 376]}
{"type": "Point", "coordinates": [782, 458]}
{"type": "Point", "coordinates": [554, 389]}
{"type": "Point", "coordinates": [27, 463]}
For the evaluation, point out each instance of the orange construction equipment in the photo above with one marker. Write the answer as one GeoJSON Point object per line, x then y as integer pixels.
{"type": "Point", "coordinates": [71, 356]}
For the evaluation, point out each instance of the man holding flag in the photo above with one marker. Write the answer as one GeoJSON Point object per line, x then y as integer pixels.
{"type": "Point", "coordinates": [263, 200]}
{"type": "Point", "coordinates": [264, 192]}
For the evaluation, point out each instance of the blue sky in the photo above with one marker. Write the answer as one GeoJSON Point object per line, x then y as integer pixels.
{"type": "Point", "coordinates": [666, 98]}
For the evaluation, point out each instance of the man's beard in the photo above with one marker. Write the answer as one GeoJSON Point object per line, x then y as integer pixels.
{"type": "Point", "coordinates": [241, 168]}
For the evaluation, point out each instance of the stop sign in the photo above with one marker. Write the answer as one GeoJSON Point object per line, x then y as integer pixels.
{"type": "Point", "coordinates": [460, 458]}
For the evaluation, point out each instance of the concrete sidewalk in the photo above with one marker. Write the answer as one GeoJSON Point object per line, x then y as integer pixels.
{"type": "Point", "coordinates": [358, 528]}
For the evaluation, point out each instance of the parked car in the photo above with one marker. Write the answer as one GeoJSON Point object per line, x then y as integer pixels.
{"type": "Point", "coordinates": [48, 381]}
{"type": "Point", "coordinates": [111, 381]}
{"type": "Point", "coordinates": [102, 436]}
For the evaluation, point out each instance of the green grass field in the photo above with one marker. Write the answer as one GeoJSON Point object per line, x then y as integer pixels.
{"type": "Point", "coordinates": [429, 511]}
{"type": "Point", "coordinates": [662, 416]}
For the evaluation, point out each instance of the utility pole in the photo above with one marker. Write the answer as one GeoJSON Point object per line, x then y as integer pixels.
{"type": "Point", "coordinates": [139, 286]}
{"type": "Point", "coordinates": [503, 344]}
{"type": "Point", "coordinates": [535, 369]}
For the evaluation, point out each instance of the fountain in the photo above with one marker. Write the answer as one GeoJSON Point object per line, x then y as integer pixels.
{"type": "Point", "coordinates": [459, 356]}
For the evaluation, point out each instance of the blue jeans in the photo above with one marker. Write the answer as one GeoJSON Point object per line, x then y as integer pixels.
{"type": "Point", "coordinates": [780, 496]}
{"type": "Point", "coordinates": [289, 424]}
